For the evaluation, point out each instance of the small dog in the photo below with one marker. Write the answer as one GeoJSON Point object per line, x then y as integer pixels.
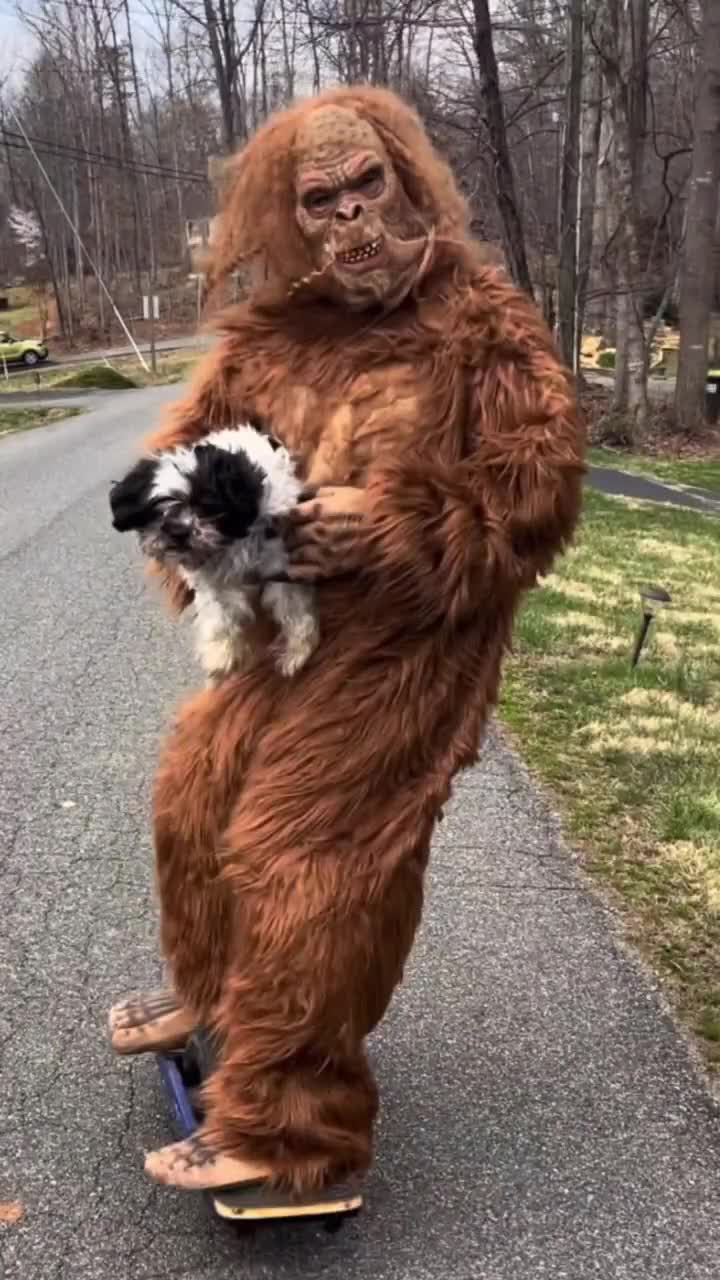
{"type": "Point", "coordinates": [208, 510]}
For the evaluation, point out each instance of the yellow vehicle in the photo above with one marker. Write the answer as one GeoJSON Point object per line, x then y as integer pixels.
{"type": "Point", "coordinates": [27, 351]}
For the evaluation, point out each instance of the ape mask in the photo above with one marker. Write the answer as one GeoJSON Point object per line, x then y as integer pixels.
{"type": "Point", "coordinates": [365, 240]}
{"type": "Point", "coordinates": [340, 198]}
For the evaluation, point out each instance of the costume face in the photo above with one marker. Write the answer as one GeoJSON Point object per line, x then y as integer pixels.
{"type": "Point", "coordinates": [364, 237]}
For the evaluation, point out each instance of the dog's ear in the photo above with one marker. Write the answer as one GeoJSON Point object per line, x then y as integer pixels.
{"type": "Point", "coordinates": [130, 498]}
{"type": "Point", "coordinates": [227, 489]}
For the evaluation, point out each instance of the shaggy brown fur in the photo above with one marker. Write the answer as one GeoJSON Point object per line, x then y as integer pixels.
{"type": "Point", "coordinates": [293, 818]}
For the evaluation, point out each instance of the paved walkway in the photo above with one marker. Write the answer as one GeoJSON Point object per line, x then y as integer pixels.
{"type": "Point", "coordinates": [626, 484]}
{"type": "Point", "coordinates": [541, 1116]}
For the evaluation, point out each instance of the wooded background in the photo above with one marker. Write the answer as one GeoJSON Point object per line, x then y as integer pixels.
{"type": "Point", "coordinates": [585, 135]}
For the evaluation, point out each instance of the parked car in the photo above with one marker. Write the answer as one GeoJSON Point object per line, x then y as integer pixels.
{"type": "Point", "coordinates": [28, 351]}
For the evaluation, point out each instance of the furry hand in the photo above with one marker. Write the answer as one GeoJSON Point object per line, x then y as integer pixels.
{"type": "Point", "coordinates": [325, 536]}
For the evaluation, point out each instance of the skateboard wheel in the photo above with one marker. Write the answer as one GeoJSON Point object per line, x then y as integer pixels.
{"type": "Point", "coordinates": [333, 1223]}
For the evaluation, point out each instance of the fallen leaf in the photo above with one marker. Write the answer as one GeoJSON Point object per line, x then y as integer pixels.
{"type": "Point", "coordinates": [11, 1211]}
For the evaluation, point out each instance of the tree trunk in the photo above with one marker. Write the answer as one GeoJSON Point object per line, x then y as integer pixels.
{"type": "Point", "coordinates": [569, 188]}
{"type": "Point", "coordinates": [512, 229]}
{"type": "Point", "coordinates": [697, 281]}
{"type": "Point", "coordinates": [602, 270]}
{"type": "Point", "coordinates": [589, 154]}
{"type": "Point", "coordinates": [631, 365]}
{"type": "Point", "coordinates": [620, 33]}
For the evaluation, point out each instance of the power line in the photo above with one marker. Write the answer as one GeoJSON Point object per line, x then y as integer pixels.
{"type": "Point", "coordinates": [61, 150]}
{"type": "Point", "coordinates": [106, 12]}
{"type": "Point", "coordinates": [78, 237]}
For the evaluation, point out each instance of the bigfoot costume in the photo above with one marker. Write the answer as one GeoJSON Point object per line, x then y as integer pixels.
{"type": "Point", "coordinates": [293, 817]}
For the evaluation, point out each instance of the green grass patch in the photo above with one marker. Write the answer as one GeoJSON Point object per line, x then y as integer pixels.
{"type": "Point", "coordinates": [632, 756]}
{"type": "Point", "coordinates": [20, 320]}
{"type": "Point", "coordinates": [699, 473]}
{"type": "Point", "coordinates": [171, 368]}
{"type": "Point", "coordinates": [12, 420]}
{"type": "Point", "coordinates": [606, 359]}
{"type": "Point", "coordinates": [101, 377]}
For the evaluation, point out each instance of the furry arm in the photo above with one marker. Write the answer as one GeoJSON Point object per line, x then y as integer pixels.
{"type": "Point", "coordinates": [449, 538]}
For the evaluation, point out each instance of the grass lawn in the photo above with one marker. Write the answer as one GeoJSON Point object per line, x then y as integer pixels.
{"type": "Point", "coordinates": [23, 317]}
{"type": "Point", "coordinates": [20, 320]}
{"type": "Point", "coordinates": [633, 757]}
{"type": "Point", "coordinates": [173, 367]}
{"type": "Point", "coordinates": [701, 473]}
{"type": "Point", "coordinates": [12, 420]}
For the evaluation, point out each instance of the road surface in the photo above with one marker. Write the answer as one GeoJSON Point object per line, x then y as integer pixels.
{"type": "Point", "coordinates": [541, 1116]}
{"type": "Point", "coordinates": [645, 489]}
{"type": "Point", "coordinates": [186, 342]}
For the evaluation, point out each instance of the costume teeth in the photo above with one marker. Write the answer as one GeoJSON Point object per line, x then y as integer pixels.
{"type": "Point", "coordinates": [358, 255]}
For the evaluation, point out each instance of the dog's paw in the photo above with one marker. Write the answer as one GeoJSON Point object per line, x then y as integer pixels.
{"type": "Point", "coordinates": [221, 655]}
{"type": "Point", "coordinates": [298, 645]}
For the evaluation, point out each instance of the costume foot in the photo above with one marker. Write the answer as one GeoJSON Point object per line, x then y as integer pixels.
{"type": "Point", "coordinates": [192, 1165]}
{"type": "Point", "coordinates": [148, 1021]}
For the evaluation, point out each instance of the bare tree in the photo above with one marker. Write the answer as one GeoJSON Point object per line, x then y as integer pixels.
{"type": "Point", "coordinates": [126, 125]}
{"type": "Point", "coordinates": [218, 20]}
{"type": "Point", "coordinates": [494, 118]}
{"type": "Point", "coordinates": [568, 229]}
{"type": "Point", "coordinates": [591, 124]}
{"type": "Point", "coordinates": [621, 35]}
{"type": "Point", "coordinates": [697, 289]}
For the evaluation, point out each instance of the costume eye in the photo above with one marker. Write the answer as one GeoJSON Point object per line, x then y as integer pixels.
{"type": "Point", "coordinates": [372, 180]}
{"type": "Point", "coordinates": [317, 201]}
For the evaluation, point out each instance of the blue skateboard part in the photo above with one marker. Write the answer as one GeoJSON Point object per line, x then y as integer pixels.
{"type": "Point", "coordinates": [183, 1116]}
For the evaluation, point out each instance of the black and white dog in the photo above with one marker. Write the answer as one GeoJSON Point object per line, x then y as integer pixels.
{"type": "Point", "coordinates": [208, 510]}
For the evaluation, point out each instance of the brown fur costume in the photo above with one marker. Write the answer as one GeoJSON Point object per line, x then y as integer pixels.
{"type": "Point", "coordinates": [293, 817]}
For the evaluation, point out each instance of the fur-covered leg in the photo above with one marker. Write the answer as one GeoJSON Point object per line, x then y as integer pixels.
{"type": "Point", "coordinates": [196, 786]}
{"type": "Point", "coordinates": [219, 641]}
{"type": "Point", "coordinates": [325, 908]}
{"type": "Point", "coordinates": [308, 1121]}
{"type": "Point", "coordinates": [293, 609]}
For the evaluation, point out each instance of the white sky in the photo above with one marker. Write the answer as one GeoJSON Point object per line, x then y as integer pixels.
{"type": "Point", "coordinates": [15, 41]}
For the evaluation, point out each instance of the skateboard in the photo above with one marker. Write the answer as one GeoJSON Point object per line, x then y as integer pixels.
{"type": "Point", "coordinates": [182, 1074]}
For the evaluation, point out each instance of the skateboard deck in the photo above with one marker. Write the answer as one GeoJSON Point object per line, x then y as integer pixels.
{"type": "Point", "coordinates": [182, 1074]}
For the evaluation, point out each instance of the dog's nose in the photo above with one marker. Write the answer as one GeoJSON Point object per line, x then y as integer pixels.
{"type": "Point", "coordinates": [176, 529]}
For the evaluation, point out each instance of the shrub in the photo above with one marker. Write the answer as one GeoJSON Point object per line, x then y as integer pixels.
{"type": "Point", "coordinates": [100, 376]}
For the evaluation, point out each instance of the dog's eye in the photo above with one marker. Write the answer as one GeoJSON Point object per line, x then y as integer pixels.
{"type": "Point", "coordinates": [275, 444]}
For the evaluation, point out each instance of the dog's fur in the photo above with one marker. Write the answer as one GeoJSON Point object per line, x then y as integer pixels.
{"type": "Point", "coordinates": [209, 510]}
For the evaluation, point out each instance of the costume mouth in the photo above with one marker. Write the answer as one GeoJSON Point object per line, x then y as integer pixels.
{"type": "Point", "coordinates": [360, 255]}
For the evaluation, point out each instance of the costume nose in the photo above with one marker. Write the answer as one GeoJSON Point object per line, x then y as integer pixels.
{"type": "Point", "coordinates": [348, 210]}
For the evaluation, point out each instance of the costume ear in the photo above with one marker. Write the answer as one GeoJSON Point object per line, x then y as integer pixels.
{"type": "Point", "coordinates": [130, 498]}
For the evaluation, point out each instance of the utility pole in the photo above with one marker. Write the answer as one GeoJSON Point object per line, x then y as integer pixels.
{"type": "Point", "coordinates": [149, 313]}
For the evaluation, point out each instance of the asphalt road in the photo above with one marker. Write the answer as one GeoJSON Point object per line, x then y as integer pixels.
{"type": "Point", "coordinates": [541, 1116]}
{"type": "Point", "coordinates": [644, 489]}
{"type": "Point", "coordinates": [187, 341]}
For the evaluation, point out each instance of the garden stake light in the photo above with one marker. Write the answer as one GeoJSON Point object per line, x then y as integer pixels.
{"type": "Point", "coordinates": [653, 599]}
